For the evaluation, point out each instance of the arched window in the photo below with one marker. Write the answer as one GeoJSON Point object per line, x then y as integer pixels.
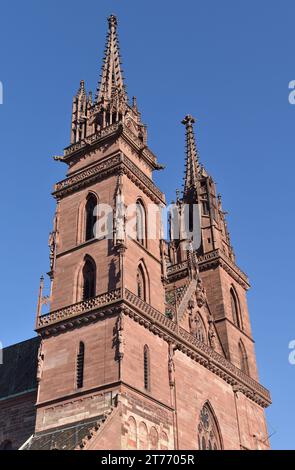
{"type": "Point", "coordinates": [235, 308]}
{"type": "Point", "coordinates": [244, 366]}
{"type": "Point", "coordinates": [146, 368]}
{"type": "Point", "coordinates": [6, 445]}
{"type": "Point", "coordinates": [89, 279]}
{"type": "Point", "coordinates": [141, 283]}
{"type": "Point", "coordinates": [90, 217]}
{"type": "Point", "coordinates": [140, 223]}
{"type": "Point", "coordinates": [208, 430]}
{"type": "Point", "coordinates": [80, 365]}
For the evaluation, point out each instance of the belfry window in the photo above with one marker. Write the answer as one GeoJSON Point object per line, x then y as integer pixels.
{"type": "Point", "coordinates": [146, 367]}
{"type": "Point", "coordinates": [244, 366]}
{"type": "Point", "coordinates": [80, 365]}
{"type": "Point", "coordinates": [89, 279]}
{"type": "Point", "coordinates": [235, 308]}
{"type": "Point", "coordinates": [205, 207]}
{"type": "Point", "coordinates": [90, 217]}
{"type": "Point", "coordinates": [208, 432]}
{"type": "Point", "coordinates": [141, 284]}
{"type": "Point", "coordinates": [140, 223]}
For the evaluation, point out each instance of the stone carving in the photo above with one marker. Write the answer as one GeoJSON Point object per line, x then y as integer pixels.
{"type": "Point", "coordinates": [196, 325]}
{"type": "Point", "coordinates": [40, 363]}
{"type": "Point", "coordinates": [212, 334]}
{"type": "Point", "coordinates": [171, 366]}
{"type": "Point", "coordinates": [120, 340]}
{"type": "Point", "coordinates": [119, 221]}
{"type": "Point", "coordinates": [200, 294]}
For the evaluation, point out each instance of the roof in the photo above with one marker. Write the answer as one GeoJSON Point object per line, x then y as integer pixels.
{"type": "Point", "coordinates": [19, 368]}
{"type": "Point", "coordinates": [66, 437]}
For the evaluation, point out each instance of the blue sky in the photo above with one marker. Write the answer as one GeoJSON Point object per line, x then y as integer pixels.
{"type": "Point", "coordinates": [227, 63]}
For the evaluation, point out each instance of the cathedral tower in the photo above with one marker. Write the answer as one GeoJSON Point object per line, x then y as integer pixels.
{"type": "Point", "coordinates": [147, 342]}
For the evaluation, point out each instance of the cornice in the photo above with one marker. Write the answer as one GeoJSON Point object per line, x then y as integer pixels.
{"type": "Point", "coordinates": [93, 141]}
{"type": "Point", "coordinates": [211, 260]}
{"type": "Point", "coordinates": [103, 168]}
{"type": "Point", "coordinates": [116, 301]}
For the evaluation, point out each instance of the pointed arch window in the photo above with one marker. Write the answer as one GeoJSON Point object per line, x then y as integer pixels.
{"type": "Point", "coordinates": [146, 367]}
{"type": "Point", "coordinates": [140, 223]}
{"type": "Point", "coordinates": [244, 365]}
{"type": "Point", "coordinates": [235, 308]}
{"type": "Point", "coordinates": [90, 217]}
{"type": "Point", "coordinates": [141, 284]}
{"type": "Point", "coordinates": [80, 365]}
{"type": "Point", "coordinates": [208, 430]}
{"type": "Point", "coordinates": [89, 279]}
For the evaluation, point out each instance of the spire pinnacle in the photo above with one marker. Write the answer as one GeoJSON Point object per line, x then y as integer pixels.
{"type": "Point", "coordinates": [192, 163]}
{"type": "Point", "coordinates": [111, 75]}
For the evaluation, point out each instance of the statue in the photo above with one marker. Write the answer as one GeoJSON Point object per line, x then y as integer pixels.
{"type": "Point", "coordinates": [171, 366]}
{"type": "Point", "coordinates": [200, 293]}
{"type": "Point", "coordinates": [40, 363]}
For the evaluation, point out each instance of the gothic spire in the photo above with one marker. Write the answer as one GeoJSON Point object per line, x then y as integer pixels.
{"type": "Point", "coordinates": [192, 167]}
{"type": "Point", "coordinates": [111, 75]}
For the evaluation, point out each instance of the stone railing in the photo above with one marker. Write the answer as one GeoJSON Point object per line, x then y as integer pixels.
{"type": "Point", "coordinates": [79, 308]}
{"type": "Point", "coordinates": [91, 139]}
{"type": "Point", "coordinates": [176, 267]}
{"type": "Point", "coordinates": [149, 310]}
{"type": "Point", "coordinates": [157, 318]}
{"type": "Point", "coordinates": [212, 255]}
{"type": "Point", "coordinates": [202, 348]}
{"type": "Point", "coordinates": [221, 361]}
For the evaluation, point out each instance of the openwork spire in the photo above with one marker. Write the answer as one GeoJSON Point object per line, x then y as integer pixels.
{"type": "Point", "coordinates": [192, 169]}
{"type": "Point", "coordinates": [111, 75]}
{"type": "Point", "coordinates": [110, 107]}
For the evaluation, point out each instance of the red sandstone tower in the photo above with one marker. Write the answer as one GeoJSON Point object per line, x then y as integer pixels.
{"type": "Point", "coordinates": [147, 344]}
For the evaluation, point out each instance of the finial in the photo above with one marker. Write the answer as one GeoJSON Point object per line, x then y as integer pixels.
{"type": "Point", "coordinates": [112, 19]}
{"type": "Point", "coordinates": [81, 90]}
{"type": "Point", "coordinates": [134, 102]}
{"type": "Point", "coordinates": [188, 120]}
{"type": "Point", "coordinates": [111, 74]}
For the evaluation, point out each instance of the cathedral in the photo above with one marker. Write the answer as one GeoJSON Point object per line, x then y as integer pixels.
{"type": "Point", "coordinates": [144, 341]}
